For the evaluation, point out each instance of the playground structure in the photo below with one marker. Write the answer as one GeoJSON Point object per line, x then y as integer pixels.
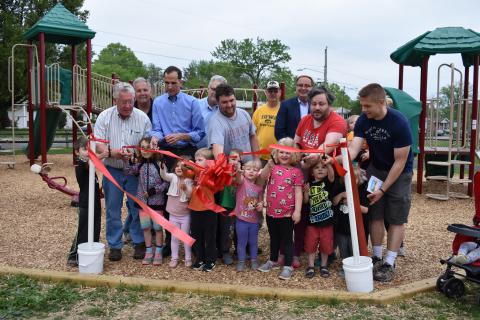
{"type": "Point", "coordinates": [416, 53]}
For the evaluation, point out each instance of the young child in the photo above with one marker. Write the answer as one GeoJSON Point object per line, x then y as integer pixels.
{"type": "Point", "coordinates": [150, 190]}
{"type": "Point", "coordinates": [343, 237]}
{"type": "Point", "coordinates": [82, 175]}
{"type": "Point", "coordinates": [248, 207]}
{"type": "Point", "coordinates": [284, 203]}
{"type": "Point", "coordinates": [227, 201]}
{"type": "Point", "coordinates": [203, 225]}
{"type": "Point", "coordinates": [319, 233]}
{"type": "Point", "coordinates": [178, 194]}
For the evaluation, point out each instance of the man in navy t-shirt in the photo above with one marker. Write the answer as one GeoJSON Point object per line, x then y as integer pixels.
{"type": "Point", "coordinates": [389, 139]}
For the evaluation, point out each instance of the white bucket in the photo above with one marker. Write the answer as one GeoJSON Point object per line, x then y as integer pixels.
{"type": "Point", "coordinates": [359, 276]}
{"type": "Point", "coordinates": [90, 257]}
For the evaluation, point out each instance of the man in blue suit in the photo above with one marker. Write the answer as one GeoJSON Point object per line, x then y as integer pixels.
{"type": "Point", "coordinates": [292, 110]}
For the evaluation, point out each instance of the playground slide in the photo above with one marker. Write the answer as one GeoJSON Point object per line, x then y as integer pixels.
{"type": "Point", "coordinates": [52, 118]}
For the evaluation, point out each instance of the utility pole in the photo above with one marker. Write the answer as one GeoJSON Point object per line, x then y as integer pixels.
{"type": "Point", "coordinates": [325, 67]}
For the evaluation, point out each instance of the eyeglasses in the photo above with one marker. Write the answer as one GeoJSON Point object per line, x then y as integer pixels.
{"type": "Point", "coordinates": [304, 85]}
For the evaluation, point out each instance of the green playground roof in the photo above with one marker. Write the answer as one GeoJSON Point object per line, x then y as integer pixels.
{"type": "Point", "coordinates": [441, 40]}
{"type": "Point", "coordinates": [60, 26]}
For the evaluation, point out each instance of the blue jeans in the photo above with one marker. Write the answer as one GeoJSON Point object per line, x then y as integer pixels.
{"type": "Point", "coordinates": [114, 203]}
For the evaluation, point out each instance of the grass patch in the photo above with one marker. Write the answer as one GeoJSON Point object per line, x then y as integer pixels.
{"type": "Point", "coordinates": [22, 297]}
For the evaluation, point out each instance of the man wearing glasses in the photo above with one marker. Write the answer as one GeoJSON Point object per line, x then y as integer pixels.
{"type": "Point", "coordinates": [292, 110]}
{"type": "Point", "coordinates": [265, 116]}
{"type": "Point", "coordinates": [209, 105]}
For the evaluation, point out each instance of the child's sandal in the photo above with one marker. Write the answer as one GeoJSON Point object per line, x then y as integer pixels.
{"type": "Point", "coordinates": [324, 273]}
{"type": "Point", "coordinates": [310, 272]}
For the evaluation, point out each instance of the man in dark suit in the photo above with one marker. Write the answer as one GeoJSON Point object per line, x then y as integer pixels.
{"type": "Point", "coordinates": [292, 110]}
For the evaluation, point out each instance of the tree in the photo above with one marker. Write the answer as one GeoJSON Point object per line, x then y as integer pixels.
{"type": "Point", "coordinates": [154, 73]}
{"type": "Point", "coordinates": [16, 17]}
{"type": "Point", "coordinates": [119, 59]}
{"type": "Point", "coordinates": [254, 60]}
{"type": "Point", "coordinates": [341, 98]}
{"type": "Point", "coordinates": [198, 74]}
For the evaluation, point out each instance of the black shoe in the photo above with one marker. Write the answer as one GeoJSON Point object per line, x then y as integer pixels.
{"type": "Point", "coordinates": [139, 251]}
{"type": "Point", "coordinates": [72, 262]}
{"type": "Point", "coordinates": [377, 263]}
{"type": "Point", "coordinates": [166, 251]}
{"type": "Point", "coordinates": [115, 254]}
{"type": "Point", "coordinates": [198, 265]}
{"type": "Point", "coordinates": [208, 267]}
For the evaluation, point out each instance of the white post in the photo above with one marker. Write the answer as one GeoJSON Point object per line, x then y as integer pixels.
{"type": "Point", "coordinates": [350, 203]}
{"type": "Point", "coordinates": [91, 194]}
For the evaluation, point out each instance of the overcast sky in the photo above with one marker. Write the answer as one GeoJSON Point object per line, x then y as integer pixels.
{"type": "Point", "coordinates": [360, 34]}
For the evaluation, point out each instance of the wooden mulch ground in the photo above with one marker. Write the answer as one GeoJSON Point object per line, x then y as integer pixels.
{"type": "Point", "coordinates": [37, 226]}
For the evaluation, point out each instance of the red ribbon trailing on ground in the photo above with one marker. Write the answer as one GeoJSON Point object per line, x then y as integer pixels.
{"type": "Point", "coordinates": [174, 230]}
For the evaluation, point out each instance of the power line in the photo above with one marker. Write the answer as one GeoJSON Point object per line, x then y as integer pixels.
{"type": "Point", "coordinates": [153, 41]}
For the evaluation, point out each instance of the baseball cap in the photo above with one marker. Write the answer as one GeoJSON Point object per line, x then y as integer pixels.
{"type": "Point", "coordinates": [273, 85]}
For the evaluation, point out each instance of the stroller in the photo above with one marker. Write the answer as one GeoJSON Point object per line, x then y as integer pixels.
{"type": "Point", "coordinates": [447, 283]}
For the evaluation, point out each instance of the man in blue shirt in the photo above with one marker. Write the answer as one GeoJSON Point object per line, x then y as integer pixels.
{"type": "Point", "coordinates": [389, 139]}
{"type": "Point", "coordinates": [209, 105]}
{"type": "Point", "coordinates": [177, 124]}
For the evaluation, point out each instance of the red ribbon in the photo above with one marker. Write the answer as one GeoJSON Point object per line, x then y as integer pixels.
{"type": "Point", "coordinates": [340, 170]}
{"type": "Point", "coordinates": [174, 230]}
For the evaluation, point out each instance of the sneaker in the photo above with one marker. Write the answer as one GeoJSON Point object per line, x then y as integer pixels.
{"type": "Point", "coordinates": [384, 273]}
{"type": "Point", "coordinates": [401, 251]}
{"type": "Point", "coordinates": [148, 258]}
{"type": "Point", "coordinates": [174, 263]}
{"type": "Point", "coordinates": [254, 264]}
{"type": "Point", "coordinates": [324, 273]}
{"type": "Point", "coordinates": [139, 251]}
{"type": "Point", "coordinates": [296, 263]}
{"type": "Point", "coordinates": [267, 266]}
{"type": "Point", "coordinates": [157, 258]}
{"type": "Point", "coordinates": [198, 265]}
{"type": "Point", "coordinates": [286, 273]}
{"type": "Point", "coordinates": [310, 273]}
{"type": "Point", "coordinates": [376, 262]}
{"type": "Point", "coordinates": [209, 266]}
{"type": "Point", "coordinates": [227, 259]}
{"type": "Point", "coordinates": [188, 263]}
{"type": "Point", "coordinates": [341, 273]}
{"type": "Point", "coordinates": [240, 266]}
{"type": "Point", "coordinates": [460, 259]}
{"type": "Point", "coordinates": [115, 254]}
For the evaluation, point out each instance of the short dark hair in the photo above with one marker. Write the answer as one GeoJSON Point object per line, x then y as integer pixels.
{"type": "Point", "coordinates": [373, 90]}
{"type": "Point", "coordinates": [305, 76]}
{"type": "Point", "coordinates": [321, 90]}
{"type": "Point", "coordinates": [173, 69]}
{"type": "Point", "coordinates": [81, 142]}
{"type": "Point", "coordinates": [224, 89]}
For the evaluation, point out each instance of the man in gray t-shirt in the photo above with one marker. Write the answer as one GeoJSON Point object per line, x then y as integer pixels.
{"type": "Point", "coordinates": [230, 128]}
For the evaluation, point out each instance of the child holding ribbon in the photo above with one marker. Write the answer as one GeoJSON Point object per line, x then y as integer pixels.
{"type": "Point", "coordinates": [284, 203]}
{"type": "Point", "coordinates": [248, 207]}
{"type": "Point", "coordinates": [178, 194]}
{"type": "Point", "coordinates": [150, 190]}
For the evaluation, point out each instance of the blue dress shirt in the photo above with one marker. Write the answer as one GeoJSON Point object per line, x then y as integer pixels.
{"type": "Point", "coordinates": [207, 112]}
{"type": "Point", "coordinates": [177, 114]}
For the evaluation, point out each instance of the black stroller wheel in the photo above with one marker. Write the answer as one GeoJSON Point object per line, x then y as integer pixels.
{"type": "Point", "coordinates": [454, 288]}
{"type": "Point", "coordinates": [441, 281]}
